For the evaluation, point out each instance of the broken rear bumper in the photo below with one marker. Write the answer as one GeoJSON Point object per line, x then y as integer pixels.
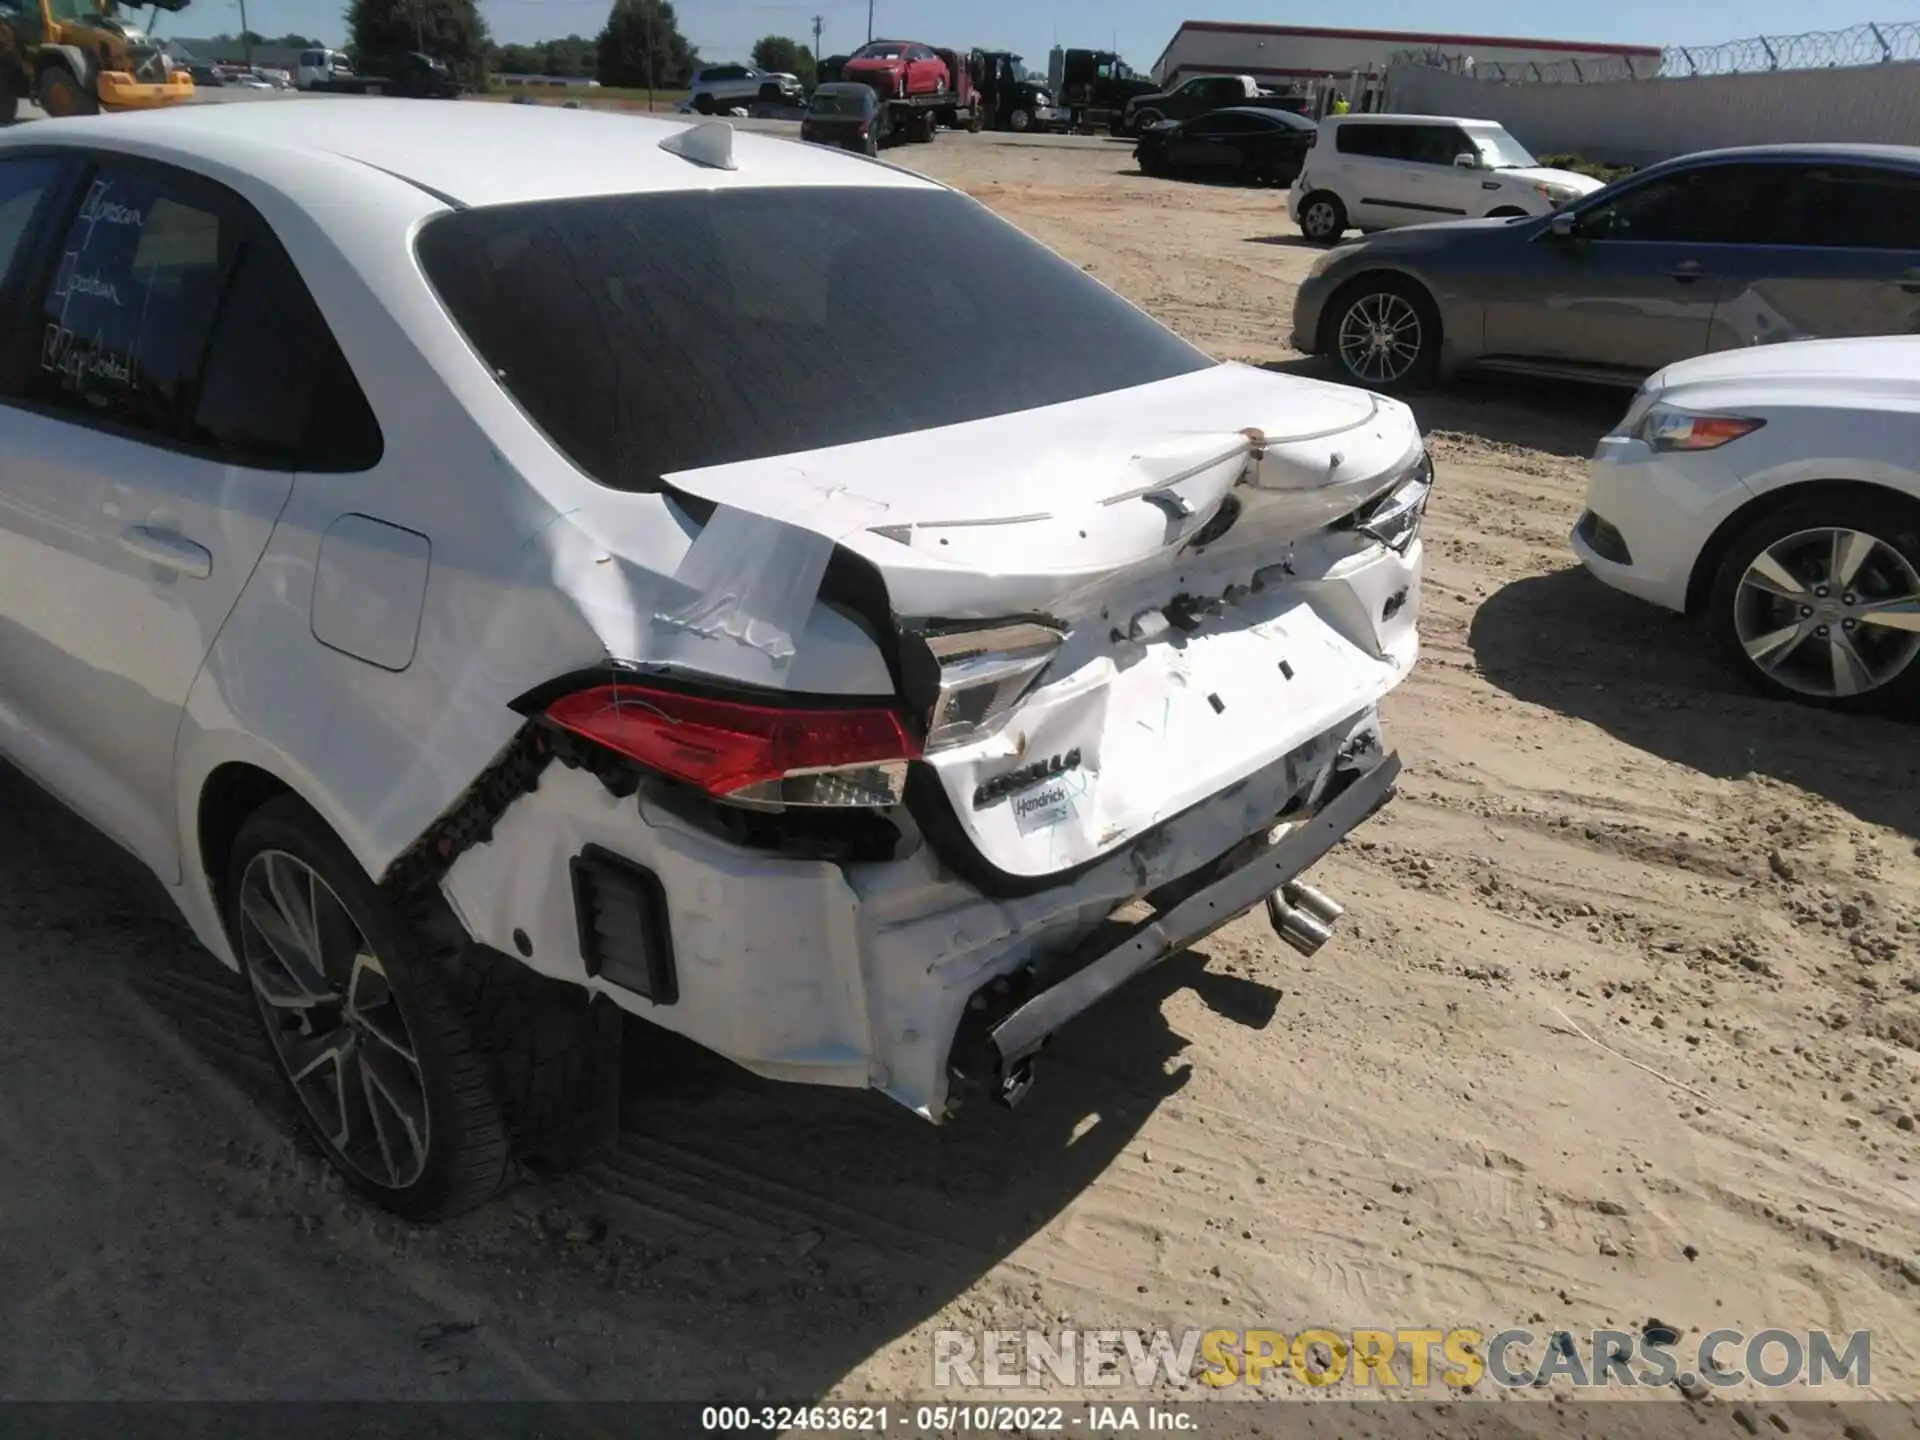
{"type": "Point", "coordinates": [883, 973]}
{"type": "Point", "coordinates": [1019, 1037]}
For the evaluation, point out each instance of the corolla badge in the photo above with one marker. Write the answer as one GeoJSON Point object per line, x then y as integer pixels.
{"type": "Point", "coordinates": [1001, 786]}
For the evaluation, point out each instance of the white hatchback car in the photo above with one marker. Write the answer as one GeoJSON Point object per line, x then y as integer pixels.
{"type": "Point", "coordinates": [1776, 492]}
{"type": "Point", "coordinates": [1376, 172]}
{"type": "Point", "coordinates": [471, 555]}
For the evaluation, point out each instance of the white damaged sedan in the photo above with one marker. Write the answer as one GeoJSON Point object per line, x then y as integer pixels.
{"type": "Point", "coordinates": [490, 560]}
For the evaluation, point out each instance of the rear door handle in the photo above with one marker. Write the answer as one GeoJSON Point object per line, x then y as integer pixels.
{"type": "Point", "coordinates": [1687, 271]}
{"type": "Point", "coordinates": [169, 552]}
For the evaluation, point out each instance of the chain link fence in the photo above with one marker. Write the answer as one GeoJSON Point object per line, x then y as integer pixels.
{"type": "Point", "coordinates": [1870, 44]}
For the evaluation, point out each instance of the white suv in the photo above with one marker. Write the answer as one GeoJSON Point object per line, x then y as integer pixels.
{"type": "Point", "coordinates": [718, 88]}
{"type": "Point", "coordinates": [1373, 172]}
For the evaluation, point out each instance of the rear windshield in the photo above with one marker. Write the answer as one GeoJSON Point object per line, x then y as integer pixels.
{"type": "Point", "coordinates": [649, 334]}
{"type": "Point", "coordinates": [826, 102]}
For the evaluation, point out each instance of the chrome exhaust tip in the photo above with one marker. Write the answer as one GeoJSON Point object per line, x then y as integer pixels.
{"type": "Point", "coordinates": [1318, 904]}
{"type": "Point", "coordinates": [1299, 929]}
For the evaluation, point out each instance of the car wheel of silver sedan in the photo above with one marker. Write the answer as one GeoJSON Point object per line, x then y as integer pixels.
{"type": "Point", "coordinates": [1821, 601]}
{"type": "Point", "coordinates": [1386, 335]}
{"type": "Point", "coordinates": [387, 1077]}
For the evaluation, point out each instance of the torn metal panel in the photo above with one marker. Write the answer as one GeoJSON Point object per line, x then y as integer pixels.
{"type": "Point", "coordinates": [754, 579]}
{"type": "Point", "coordinates": [469, 821]}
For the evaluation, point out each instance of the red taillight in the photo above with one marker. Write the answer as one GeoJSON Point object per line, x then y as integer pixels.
{"type": "Point", "coordinates": [863, 129]}
{"type": "Point", "coordinates": [759, 753]}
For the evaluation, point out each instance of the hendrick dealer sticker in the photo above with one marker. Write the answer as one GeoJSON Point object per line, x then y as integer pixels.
{"type": "Point", "coordinates": [1051, 803]}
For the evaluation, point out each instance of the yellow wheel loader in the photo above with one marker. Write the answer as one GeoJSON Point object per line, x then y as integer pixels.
{"type": "Point", "coordinates": [79, 57]}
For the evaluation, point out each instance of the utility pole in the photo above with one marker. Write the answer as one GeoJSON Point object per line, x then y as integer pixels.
{"type": "Point", "coordinates": [246, 35]}
{"type": "Point", "coordinates": [817, 22]}
{"type": "Point", "coordinates": [869, 22]}
{"type": "Point", "coordinates": [646, 12]}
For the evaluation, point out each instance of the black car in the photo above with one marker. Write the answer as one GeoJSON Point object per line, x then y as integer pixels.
{"type": "Point", "coordinates": [1255, 147]}
{"type": "Point", "coordinates": [847, 116]}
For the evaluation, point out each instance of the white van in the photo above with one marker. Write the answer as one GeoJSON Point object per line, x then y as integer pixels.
{"type": "Point", "coordinates": [316, 67]}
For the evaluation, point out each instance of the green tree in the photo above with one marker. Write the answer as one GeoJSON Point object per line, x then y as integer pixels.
{"type": "Point", "coordinates": [294, 41]}
{"type": "Point", "coordinates": [642, 44]}
{"type": "Point", "coordinates": [571, 56]}
{"type": "Point", "coordinates": [450, 30]}
{"type": "Point", "coordinates": [518, 60]}
{"type": "Point", "coordinates": [783, 56]}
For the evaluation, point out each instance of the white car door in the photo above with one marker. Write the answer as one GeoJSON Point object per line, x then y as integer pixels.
{"type": "Point", "coordinates": [1411, 182]}
{"type": "Point", "coordinates": [1455, 191]}
{"type": "Point", "coordinates": [144, 460]}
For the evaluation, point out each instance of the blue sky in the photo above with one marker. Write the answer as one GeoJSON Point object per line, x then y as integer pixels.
{"type": "Point", "coordinates": [1139, 29]}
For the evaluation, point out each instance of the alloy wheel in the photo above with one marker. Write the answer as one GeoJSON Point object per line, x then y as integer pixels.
{"type": "Point", "coordinates": [334, 1020]}
{"type": "Point", "coordinates": [1832, 612]}
{"type": "Point", "coordinates": [1380, 337]}
{"type": "Point", "coordinates": [1317, 220]}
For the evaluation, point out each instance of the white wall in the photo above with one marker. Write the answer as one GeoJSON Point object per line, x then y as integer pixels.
{"type": "Point", "coordinates": [1275, 54]}
{"type": "Point", "coordinates": [1636, 122]}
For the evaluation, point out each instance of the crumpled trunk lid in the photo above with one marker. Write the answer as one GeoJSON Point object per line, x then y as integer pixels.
{"type": "Point", "coordinates": [1176, 537]}
{"type": "Point", "coordinates": [1047, 509]}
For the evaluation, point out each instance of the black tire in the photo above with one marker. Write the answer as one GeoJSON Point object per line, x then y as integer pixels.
{"type": "Point", "coordinates": [1791, 530]}
{"type": "Point", "coordinates": [770, 94]}
{"type": "Point", "coordinates": [703, 104]}
{"type": "Point", "coordinates": [9, 95]}
{"type": "Point", "coordinates": [1145, 121]}
{"type": "Point", "coordinates": [1389, 297]}
{"type": "Point", "coordinates": [1020, 121]}
{"type": "Point", "coordinates": [923, 128]}
{"type": "Point", "coordinates": [467, 1155]}
{"type": "Point", "coordinates": [60, 93]}
{"type": "Point", "coordinates": [1323, 219]}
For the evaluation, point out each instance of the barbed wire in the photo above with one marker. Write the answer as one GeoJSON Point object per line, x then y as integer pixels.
{"type": "Point", "coordinates": [1870, 44]}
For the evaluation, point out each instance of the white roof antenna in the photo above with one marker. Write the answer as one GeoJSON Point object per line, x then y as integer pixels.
{"type": "Point", "coordinates": [709, 143]}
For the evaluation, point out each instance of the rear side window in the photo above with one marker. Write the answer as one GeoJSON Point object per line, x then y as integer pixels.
{"type": "Point", "coordinates": [655, 333]}
{"type": "Point", "coordinates": [1387, 142]}
{"type": "Point", "coordinates": [276, 391]}
{"type": "Point", "coordinates": [1848, 207]}
{"type": "Point", "coordinates": [125, 323]}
